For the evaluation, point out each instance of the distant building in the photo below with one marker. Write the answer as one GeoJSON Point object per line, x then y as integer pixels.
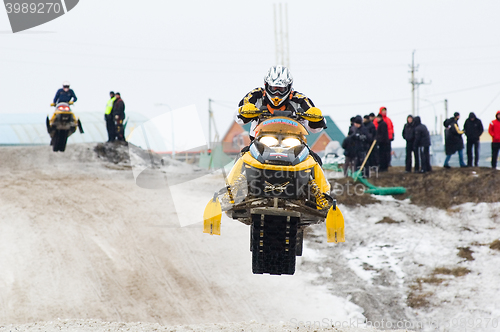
{"type": "Point", "coordinates": [318, 142]}
{"type": "Point", "coordinates": [236, 138]}
{"type": "Point", "coordinates": [30, 128]}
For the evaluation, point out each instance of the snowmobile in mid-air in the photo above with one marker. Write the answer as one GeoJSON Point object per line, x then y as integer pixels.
{"type": "Point", "coordinates": [62, 125]}
{"type": "Point", "coordinates": [278, 188]}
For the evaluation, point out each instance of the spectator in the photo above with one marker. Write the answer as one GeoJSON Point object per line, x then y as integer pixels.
{"type": "Point", "coordinates": [372, 131]}
{"type": "Point", "coordinates": [390, 129]}
{"type": "Point", "coordinates": [118, 114]}
{"type": "Point", "coordinates": [370, 128]}
{"type": "Point", "coordinates": [473, 128]}
{"type": "Point", "coordinates": [374, 154]}
{"type": "Point", "coordinates": [110, 123]}
{"type": "Point", "coordinates": [351, 126]}
{"type": "Point", "coordinates": [494, 131]}
{"type": "Point", "coordinates": [384, 143]}
{"type": "Point", "coordinates": [350, 153]}
{"type": "Point", "coordinates": [356, 145]}
{"type": "Point", "coordinates": [361, 139]}
{"type": "Point", "coordinates": [453, 140]}
{"type": "Point", "coordinates": [421, 145]}
{"type": "Point", "coordinates": [409, 136]}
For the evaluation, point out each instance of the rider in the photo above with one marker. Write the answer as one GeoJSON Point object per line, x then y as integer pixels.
{"type": "Point", "coordinates": [64, 95]}
{"type": "Point", "coordinates": [278, 95]}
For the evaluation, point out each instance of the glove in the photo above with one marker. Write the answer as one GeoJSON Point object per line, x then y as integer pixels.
{"type": "Point", "coordinates": [313, 114]}
{"type": "Point", "coordinates": [53, 104]}
{"type": "Point", "coordinates": [71, 102]}
{"type": "Point", "coordinates": [249, 111]}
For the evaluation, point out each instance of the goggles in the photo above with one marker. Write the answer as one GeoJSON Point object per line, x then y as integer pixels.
{"type": "Point", "coordinates": [278, 90]}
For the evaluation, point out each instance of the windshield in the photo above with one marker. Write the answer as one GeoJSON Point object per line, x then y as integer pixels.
{"type": "Point", "coordinates": [281, 125]}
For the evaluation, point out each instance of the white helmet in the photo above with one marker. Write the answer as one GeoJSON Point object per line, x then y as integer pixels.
{"type": "Point", "coordinates": [66, 83]}
{"type": "Point", "coordinates": [278, 85]}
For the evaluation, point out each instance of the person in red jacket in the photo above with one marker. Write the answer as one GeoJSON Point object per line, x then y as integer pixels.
{"type": "Point", "coordinates": [494, 131]}
{"type": "Point", "coordinates": [386, 119]}
{"type": "Point", "coordinates": [390, 129]}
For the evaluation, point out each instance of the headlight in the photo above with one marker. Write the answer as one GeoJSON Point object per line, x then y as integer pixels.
{"type": "Point", "coordinates": [290, 142]}
{"type": "Point", "coordinates": [269, 140]}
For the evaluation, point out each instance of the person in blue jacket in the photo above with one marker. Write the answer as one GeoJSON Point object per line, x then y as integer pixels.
{"type": "Point", "coordinates": [64, 95]}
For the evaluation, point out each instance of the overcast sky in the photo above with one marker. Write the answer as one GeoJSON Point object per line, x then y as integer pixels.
{"type": "Point", "coordinates": [349, 57]}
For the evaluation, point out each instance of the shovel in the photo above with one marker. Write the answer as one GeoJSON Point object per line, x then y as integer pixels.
{"type": "Point", "coordinates": [358, 174]}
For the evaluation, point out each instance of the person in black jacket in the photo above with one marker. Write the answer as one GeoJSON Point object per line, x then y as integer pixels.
{"type": "Point", "coordinates": [351, 126]}
{"type": "Point", "coordinates": [473, 128]}
{"type": "Point", "coordinates": [118, 114]}
{"type": "Point", "coordinates": [361, 137]}
{"type": "Point", "coordinates": [370, 128]}
{"type": "Point", "coordinates": [355, 145]}
{"type": "Point", "coordinates": [349, 153]}
{"type": "Point", "coordinates": [453, 141]}
{"type": "Point", "coordinates": [384, 144]}
{"type": "Point", "coordinates": [421, 145]}
{"type": "Point", "coordinates": [409, 136]}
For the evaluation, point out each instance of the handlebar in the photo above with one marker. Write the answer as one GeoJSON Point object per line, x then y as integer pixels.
{"type": "Point", "coordinates": [71, 103]}
{"type": "Point", "coordinates": [293, 114]}
{"type": "Point", "coordinates": [68, 103]}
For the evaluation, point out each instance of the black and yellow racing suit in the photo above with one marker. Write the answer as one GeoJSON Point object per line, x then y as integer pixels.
{"type": "Point", "coordinates": [295, 101]}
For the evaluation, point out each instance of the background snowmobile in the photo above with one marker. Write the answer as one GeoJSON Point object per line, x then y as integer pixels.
{"type": "Point", "coordinates": [62, 125]}
{"type": "Point", "coordinates": [277, 188]}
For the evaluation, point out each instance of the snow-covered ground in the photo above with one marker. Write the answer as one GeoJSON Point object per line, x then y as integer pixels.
{"type": "Point", "coordinates": [408, 268]}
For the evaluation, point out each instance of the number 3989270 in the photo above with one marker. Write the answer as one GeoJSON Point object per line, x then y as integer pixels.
{"type": "Point", "coordinates": [38, 8]}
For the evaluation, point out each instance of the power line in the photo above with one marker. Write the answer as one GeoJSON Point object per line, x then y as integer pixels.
{"type": "Point", "coordinates": [62, 42]}
{"type": "Point", "coordinates": [114, 57]}
{"type": "Point", "coordinates": [466, 89]}
{"type": "Point", "coordinates": [405, 99]}
{"type": "Point", "coordinates": [491, 102]}
{"type": "Point", "coordinates": [367, 103]}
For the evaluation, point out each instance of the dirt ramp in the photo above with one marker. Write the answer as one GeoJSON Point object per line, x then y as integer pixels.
{"type": "Point", "coordinates": [81, 240]}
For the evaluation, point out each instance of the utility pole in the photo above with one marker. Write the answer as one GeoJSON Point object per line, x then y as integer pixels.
{"type": "Point", "coordinates": [414, 83]}
{"type": "Point", "coordinates": [211, 122]}
{"type": "Point", "coordinates": [210, 116]}
{"type": "Point", "coordinates": [286, 37]}
{"type": "Point", "coordinates": [276, 43]}
{"type": "Point", "coordinates": [282, 38]}
{"type": "Point", "coordinates": [446, 109]}
{"type": "Point", "coordinates": [281, 35]}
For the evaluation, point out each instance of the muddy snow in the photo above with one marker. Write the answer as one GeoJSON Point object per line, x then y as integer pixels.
{"type": "Point", "coordinates": [88, 245]}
